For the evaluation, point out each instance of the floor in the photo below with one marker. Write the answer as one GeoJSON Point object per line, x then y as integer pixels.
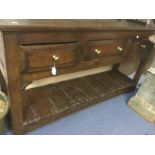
{"type": "Point", "coordinates": [111, 117]}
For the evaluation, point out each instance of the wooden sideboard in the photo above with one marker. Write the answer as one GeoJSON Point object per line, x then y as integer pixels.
{"type": "Point", "coordinates": [29, 49]}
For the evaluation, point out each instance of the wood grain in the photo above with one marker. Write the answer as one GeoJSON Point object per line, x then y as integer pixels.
{"type": "Point", "coordinates": [56, 100]}
{"type": "Point", "coordinates": [72, 24]}
{"type": "Point", "coordinates": [14, 83]}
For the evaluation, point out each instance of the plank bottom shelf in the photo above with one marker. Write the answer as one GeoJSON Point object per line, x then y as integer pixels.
{"type": "Point", "coordinates": [50, 102]}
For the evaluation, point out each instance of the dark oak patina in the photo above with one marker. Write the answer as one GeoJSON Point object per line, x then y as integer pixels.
{"type": "Point", "coordinates": [26, 51]}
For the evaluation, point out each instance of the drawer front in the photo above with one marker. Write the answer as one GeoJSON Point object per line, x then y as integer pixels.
{"type": "Point", "coordinates": [99, 49]}
{"type": "Point", "coordinates": [41, 57]}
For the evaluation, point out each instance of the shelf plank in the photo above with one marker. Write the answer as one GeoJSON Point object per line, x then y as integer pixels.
{"type": "Point", "coordinates": [53, 101]}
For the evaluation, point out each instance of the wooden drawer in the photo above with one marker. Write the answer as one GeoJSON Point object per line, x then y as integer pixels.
{"type": "Point", "coordinates": [40, 57]}
{"type": "Point", "coordinates": [99, 49]}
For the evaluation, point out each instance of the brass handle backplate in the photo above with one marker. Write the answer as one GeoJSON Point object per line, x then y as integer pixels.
{"type": "Point", "coordinates": [137, 36]}
{"type": "Point", "coordinates": [120, 49]}
{"type": "Point", "coordinates": [55, 58]}
{"type": "Point", "coordinates": [97, 51]}
{"type": "Point", "coordinates": [143, 46]}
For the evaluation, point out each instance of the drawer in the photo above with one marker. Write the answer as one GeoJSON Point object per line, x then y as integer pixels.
{"type": "Point", "coordinates": [41, 57]}
{"type": "Point", "coordinates": [104, 48]}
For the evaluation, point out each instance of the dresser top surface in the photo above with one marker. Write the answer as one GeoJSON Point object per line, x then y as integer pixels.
{"type": "Point", "coordinates": [69, 24]}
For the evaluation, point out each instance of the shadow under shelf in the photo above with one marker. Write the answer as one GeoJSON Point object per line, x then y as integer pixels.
{"type": "Point", "coordinates": [50, 102]}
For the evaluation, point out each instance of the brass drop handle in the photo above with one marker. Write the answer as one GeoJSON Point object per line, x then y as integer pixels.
{"type": "Point", "coordinates": [143, 46]}
{"type": "Point", "coordinates": [119, 49]}
{"type": "Point", "coordinates": [97, 51]}
{"type": "Point", "coordinates": [54, 69]}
